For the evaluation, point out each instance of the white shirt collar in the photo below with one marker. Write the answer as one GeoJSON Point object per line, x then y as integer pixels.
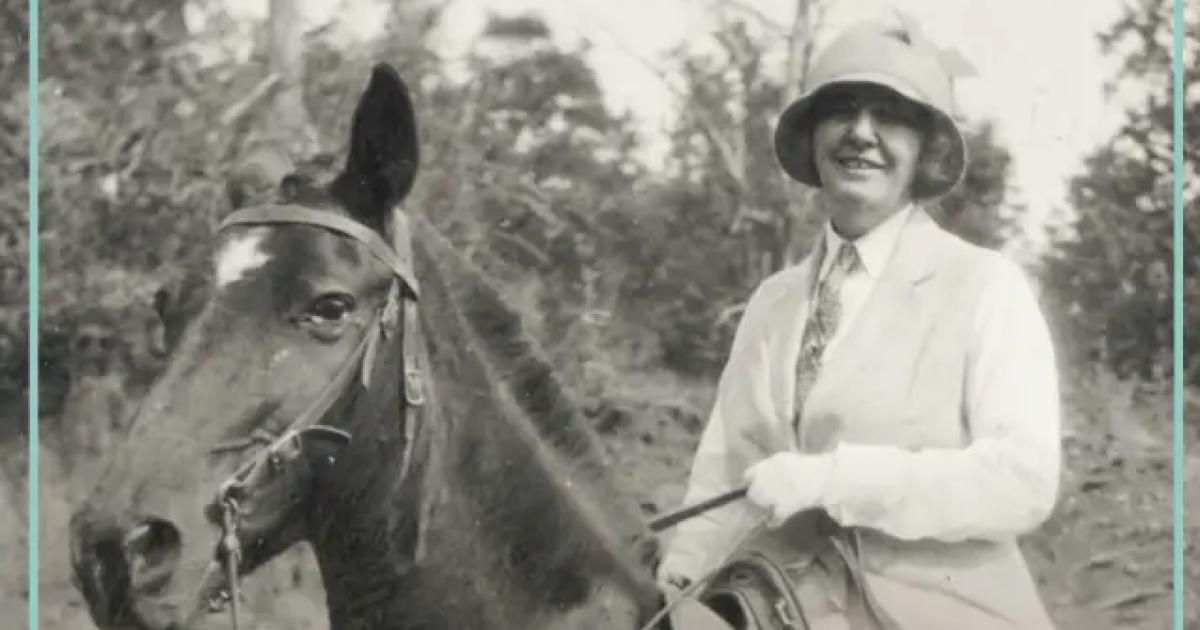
{"type": "Point", "coordinates": [874, 247]}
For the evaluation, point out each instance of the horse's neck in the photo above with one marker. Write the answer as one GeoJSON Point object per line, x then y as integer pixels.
{"type": "Point", "coordinates": [362, 562]}
{"type": "Point", "coordinates": [513, 540]}
{"type": "Point", "coordinates": [360, 539]}
{"type": "Point", "coordinates": [483, 559]}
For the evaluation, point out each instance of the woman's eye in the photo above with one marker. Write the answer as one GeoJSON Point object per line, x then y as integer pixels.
{"type": "Point", "coordinates": [900, 113]}
{"type": "Point", "coordinates": [330, 308]}
{"type": "Point", "coordinates": [893, 115]}
{"type": "Point", "coordinates": [888, 115]}
{"type": "Point", "coordinates": [842, 107]}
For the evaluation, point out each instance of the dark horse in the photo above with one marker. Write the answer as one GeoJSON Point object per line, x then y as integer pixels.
{"type": "Point", "coordinates": [471, 493]}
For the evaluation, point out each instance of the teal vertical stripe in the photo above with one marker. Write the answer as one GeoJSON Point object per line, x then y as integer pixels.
{"type": "Point", "coordinates": [33, 314]}
{"type": "Point", "coordinates": [1180, 470]}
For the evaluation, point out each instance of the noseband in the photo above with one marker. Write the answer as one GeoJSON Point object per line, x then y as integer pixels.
{"type": "Point", "coordinates": [234, 496]}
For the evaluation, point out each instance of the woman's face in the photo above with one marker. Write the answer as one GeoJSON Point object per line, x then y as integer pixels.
{"type": "Point", "coordinates": [867, 144]}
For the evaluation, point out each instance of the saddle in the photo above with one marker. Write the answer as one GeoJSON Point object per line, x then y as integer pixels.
{"type": "Point", "coordinates": [752, 592]}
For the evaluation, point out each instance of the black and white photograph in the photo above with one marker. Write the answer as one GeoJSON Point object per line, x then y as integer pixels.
{"type": "Point", "coordinates": [600, 314]}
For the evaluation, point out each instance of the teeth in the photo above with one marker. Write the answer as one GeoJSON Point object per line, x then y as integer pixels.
{"type": "Point", "coordinates": [855, 163]}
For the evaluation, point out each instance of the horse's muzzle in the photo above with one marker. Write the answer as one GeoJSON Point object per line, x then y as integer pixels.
{"type": "Point", "coordinates": [120, 568]}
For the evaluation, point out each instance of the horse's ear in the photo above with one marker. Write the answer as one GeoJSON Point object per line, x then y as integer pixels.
{"type": "Point", "coordinates": [384, 153]}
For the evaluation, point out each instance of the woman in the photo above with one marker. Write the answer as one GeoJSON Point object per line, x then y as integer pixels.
{"type": "Point", "coordinates": [891, 403]}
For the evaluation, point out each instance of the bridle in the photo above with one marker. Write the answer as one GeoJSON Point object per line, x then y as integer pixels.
{"type": "Point", "coordinates": [398, 314]}
{"type": "Point", "coordinates": [219, 587]}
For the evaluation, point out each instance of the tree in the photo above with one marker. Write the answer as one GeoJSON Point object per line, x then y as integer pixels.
{"type": "Point", "coordinates": [978, 209]}
{"type": "Point", "coordinates": [284, 134]}
{"type": "Point", "coordinates": [722, 216]}
{"type": "Point", "coordinates": [528, 171]}
{"type": "Point", "coordinates": [131, 171]}
{"type": "Point", "coordinates": [14, 218]}
{"type": "Point", "coordinates": [1110, 269]}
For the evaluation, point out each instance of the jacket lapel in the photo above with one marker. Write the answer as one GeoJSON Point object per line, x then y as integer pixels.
{"type": "Point", "coordinates": [892, 325]}
{"type": "Point", "coordinates": [786, 331]}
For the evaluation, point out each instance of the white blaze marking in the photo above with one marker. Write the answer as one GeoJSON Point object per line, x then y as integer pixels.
{"type": "Point", "coordinates": [240, 256]}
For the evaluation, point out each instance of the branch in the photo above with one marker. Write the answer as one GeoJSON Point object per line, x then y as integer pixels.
{"type": "Point", "coordinates": [799, 58]}
{"type": "Point", "coordinates": [523, 245]}
{"type": "Point", "coordinates": [235, 112]}
{"type": "Point", "coordinates": [726, 151]}
{"type": "Point", "coordinates": [707, 124]}
{"type": "Point", "coordinates": [290, 123]}
{"type": "Point", "coordinates": [532, 197]}
{"type": "Point", "coordinates": [753, 11]}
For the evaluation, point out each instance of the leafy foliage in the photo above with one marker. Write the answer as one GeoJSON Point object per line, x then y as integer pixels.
{"type": "Point", "coordinates": [530, 173]}
{"type": "Point", "coordinates": [978, 209]}
{"type": "Point", "coordinates": [14, 217]}
{"type": "Point", "coordinates": [1110, 268]}
{"type": "Point", "coordinates": [132, 169]}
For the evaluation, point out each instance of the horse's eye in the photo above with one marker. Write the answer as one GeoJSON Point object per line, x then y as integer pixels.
{"type": "Point", "coordinates": [330, 308]}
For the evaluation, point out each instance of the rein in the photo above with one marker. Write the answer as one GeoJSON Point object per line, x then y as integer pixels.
{"type": "Point", "coordinates": [220, 583]}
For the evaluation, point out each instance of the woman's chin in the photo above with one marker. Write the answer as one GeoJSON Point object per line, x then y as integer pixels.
{"type": "Point", "coordinates": [860, 194]}
{"type": "Point", "coordinates": [854, 214]}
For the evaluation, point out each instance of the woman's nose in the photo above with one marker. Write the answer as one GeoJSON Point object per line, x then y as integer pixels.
{"type": "Point", "coordinates": [862, 126]}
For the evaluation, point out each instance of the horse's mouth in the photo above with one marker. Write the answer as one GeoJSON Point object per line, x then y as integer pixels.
{"type": "Point", "coordinates": [126, 580]}
{"type": "Point", "coordinates": [109, 596]}
{"type": "Point", "coordinates": [115, 604]}
{"type": "Point", "coordinates": [102, 577]}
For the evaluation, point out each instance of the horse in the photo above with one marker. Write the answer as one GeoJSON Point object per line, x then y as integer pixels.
{"type": "Point", "coordinates": [355, 382]}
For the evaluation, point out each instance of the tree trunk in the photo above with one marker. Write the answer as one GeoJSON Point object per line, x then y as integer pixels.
{"type": "Point", "coordinates": [289, 135]}
{"type": "Point", "coordinates": [289, 121]}
{"type": "Point", "coordinates": [799, 215]}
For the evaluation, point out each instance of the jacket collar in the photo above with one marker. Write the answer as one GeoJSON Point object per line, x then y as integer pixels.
{"type": "Point", "coordinates": [910, 261]}
{"type": "Point", "coordinates": [874, 248]}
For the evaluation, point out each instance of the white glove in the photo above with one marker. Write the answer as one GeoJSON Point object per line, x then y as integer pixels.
{"type": "Point", "coordinates": [786, 483]}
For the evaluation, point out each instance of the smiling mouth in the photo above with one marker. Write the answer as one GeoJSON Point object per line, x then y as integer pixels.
{"type": "Point", "coordinates": [855, 163]}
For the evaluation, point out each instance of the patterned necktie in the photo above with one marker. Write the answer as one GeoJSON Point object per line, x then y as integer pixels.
{"type": "Point", "coordinates": [822, 322]}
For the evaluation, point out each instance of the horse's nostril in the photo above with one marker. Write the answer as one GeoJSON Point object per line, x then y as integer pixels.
{"type": "Point", "coordinates": [152, 548]}
{"type": "Point", "coordinates": [138, 537]}
{"type": "Point", "coordinates": [100, 568]}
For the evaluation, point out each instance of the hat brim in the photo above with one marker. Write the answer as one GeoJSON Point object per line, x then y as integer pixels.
{"type": "Point", "coordinates": [794, 150]}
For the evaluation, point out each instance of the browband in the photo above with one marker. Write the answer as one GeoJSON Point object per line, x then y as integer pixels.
{"type": "Point", "coordinates": [401, 265]}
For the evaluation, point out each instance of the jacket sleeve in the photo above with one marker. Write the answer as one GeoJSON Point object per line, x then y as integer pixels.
{"type": "Point", "coordinates": [1005, 482]}
{"type": "Point", "coordinates": [726, 449]}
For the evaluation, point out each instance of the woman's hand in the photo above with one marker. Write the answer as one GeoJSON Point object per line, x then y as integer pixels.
{"type": "Point", "coordinates": [672, 585]}
{"type": "Point", "coordinates": [788, 482]}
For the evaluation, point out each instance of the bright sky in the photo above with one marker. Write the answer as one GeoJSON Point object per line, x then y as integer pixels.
{"type": "Point", "coordinates": [1039, 70]}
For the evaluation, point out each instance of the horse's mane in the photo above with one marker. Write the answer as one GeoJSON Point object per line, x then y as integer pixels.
{"type": "Point", "coordinates": [571, 448]}
{"type": "Point", "coordinates": [516, 358]}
